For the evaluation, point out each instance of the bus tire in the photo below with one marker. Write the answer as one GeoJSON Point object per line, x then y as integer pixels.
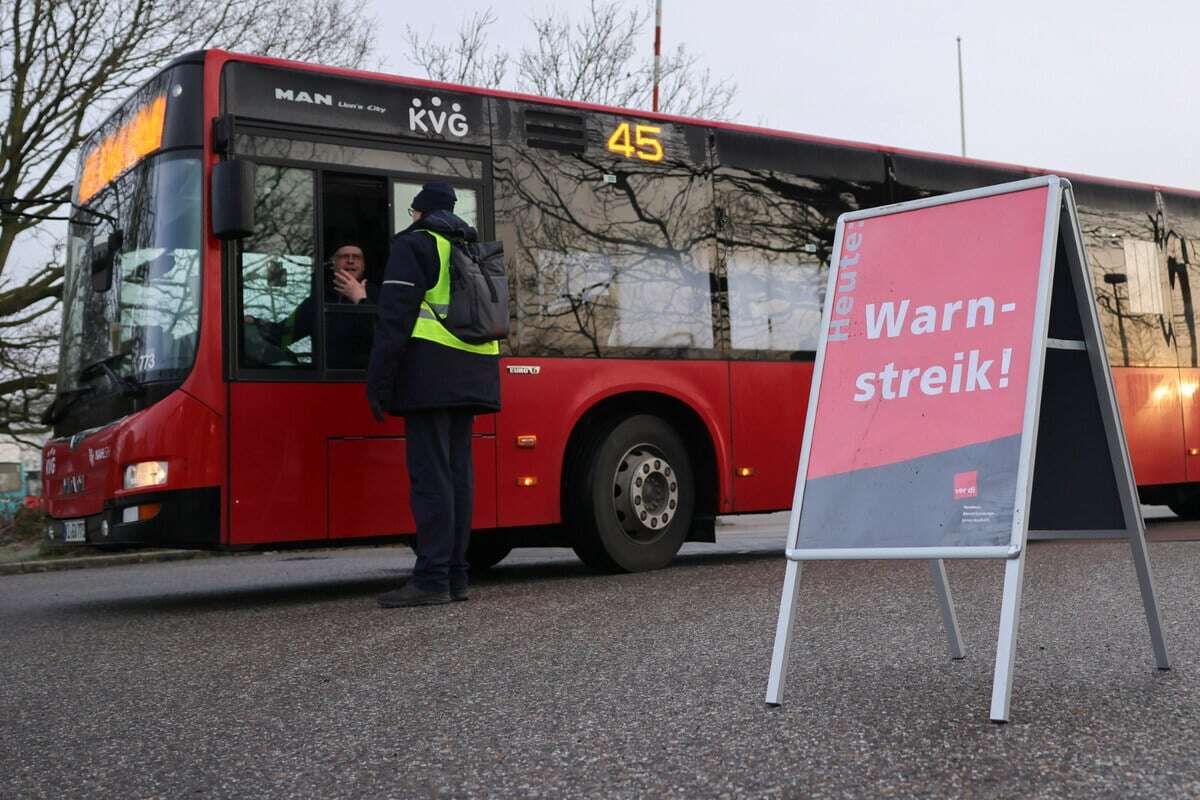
{"type": "Point", "coordinates": [486, 551]}
{"type": "Point", "coordinates": [632, 495]}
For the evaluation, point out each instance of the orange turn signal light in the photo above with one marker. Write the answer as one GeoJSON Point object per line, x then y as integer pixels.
{"type": "Point", "coordinates": [526, 440]}
{"type": "Point", "coordinates": [1194, 451]}
{"type": "Point", "coordinates": [140, 513]}
{"type": "Point", "coordinates": [527, 480]}
{"type": "Point", "coordinates": [745, 472]}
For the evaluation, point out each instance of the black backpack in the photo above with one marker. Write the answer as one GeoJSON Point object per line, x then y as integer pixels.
{"type": "Point", "coordinates": [478, 310]}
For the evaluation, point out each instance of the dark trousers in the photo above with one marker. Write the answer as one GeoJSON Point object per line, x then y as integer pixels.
{"type": "Point", "coordinates": [439, 467]}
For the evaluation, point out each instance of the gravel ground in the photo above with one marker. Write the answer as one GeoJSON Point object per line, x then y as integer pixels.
{"type": "Point", "coordinates": [277, 676]}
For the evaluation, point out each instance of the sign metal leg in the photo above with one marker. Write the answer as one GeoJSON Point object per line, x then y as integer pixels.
{"type": "Point", "coordinates": [1006, 645]}
{"type": "Point", "coordinates": [1141, 562]}
{"type": "Point", "coordinates": [783, 633]}
{"type": "Point", "coordinates": [941, 585]}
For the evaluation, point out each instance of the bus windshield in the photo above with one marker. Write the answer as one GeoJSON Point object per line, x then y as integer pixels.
{"type": "Point", "coordinates": [144, 326]}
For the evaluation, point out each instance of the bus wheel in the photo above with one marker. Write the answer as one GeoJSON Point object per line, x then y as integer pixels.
{"type": "Point", "coordinates": [486, 551]}
{"type": "Point", "coordinates": [632, 496]}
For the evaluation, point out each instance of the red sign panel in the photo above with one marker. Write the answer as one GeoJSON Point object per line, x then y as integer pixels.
{"type": "Point", "coordinates": [924, 376]}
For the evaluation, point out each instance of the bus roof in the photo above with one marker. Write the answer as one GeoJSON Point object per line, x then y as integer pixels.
{"type": "Point", "coordinates": [225, 55]}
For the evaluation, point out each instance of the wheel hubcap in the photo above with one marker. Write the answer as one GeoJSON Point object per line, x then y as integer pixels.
{"type": "Point", "coordinates": [645, 492]}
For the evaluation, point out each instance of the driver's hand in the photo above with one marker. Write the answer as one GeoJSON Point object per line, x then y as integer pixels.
{"type": "Point", "coordinates": [377, 410]}
{"type": "Point", "coordinates": [348, 287]}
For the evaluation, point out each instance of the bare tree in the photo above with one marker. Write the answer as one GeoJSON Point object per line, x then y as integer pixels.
{"type": "Point", "coordinates": [593, 59]}
{"type": "Point", "coordinates": [63, 65]}
{"type": "Point", "coordinates": [469, 59]}
{"type": "Point", "coordinates": [601, 57]}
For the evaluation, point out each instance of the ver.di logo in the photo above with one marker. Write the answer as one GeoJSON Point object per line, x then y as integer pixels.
{"type": "Point", "coordinates": [423, 119]}
{"type": "Point", "coordinates": [966, 485]}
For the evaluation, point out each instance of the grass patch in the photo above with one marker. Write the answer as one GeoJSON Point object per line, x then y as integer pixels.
{"type": "Point", "coordinates": [23, 538]}
{"type": "Point", "coordinates": [19, 551]}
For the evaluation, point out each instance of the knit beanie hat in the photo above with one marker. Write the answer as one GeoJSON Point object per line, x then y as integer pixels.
{"type": "Point", "coordinates": [435, 196]}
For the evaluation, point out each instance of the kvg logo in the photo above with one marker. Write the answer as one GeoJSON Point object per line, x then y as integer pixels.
{"type": "Point", "coordinates": [436, 118]}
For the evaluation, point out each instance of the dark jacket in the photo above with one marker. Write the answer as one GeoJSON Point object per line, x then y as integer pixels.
{"type": "Point", "coordinates": [347, 335]}
{"type": "Point", "coordinates": [407, 374]}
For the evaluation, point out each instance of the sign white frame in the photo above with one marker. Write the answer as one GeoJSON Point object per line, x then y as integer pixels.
{"type": "Point", "coordinates": [1059, 198]}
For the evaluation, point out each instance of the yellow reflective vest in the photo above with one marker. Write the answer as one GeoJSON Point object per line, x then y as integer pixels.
{"type": "Point", "coordinates": [429, 325]}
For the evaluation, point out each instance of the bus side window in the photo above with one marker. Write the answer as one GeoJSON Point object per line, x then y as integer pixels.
{"type": "Point", "coordinates": [778, 203]}
{"type": "Point", "coordinates": [277, 273]}
{"type": "Point", "coordinates": [611, 256]}
{"type": "Point", "coordinates": [776, 236]}
{"type": "Point", "coordinates": [466, 208]}
{"type": "Point", "coordinates": [1127, 252]}
{"type": "Point", "coordinates": [1181, 235]}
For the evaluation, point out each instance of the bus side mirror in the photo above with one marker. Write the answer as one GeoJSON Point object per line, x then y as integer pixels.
{"type": "Point", "coordinates": [233, 199]}
{"type": "Point", "coordinates": [103, 256]}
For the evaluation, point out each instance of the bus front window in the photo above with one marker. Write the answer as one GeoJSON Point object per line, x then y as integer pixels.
{"type": "Point", "coordinates": [144, 327]}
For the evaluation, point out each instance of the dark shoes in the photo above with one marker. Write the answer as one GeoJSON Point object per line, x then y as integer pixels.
{"type": "Point", "coordinates": [412, 595]}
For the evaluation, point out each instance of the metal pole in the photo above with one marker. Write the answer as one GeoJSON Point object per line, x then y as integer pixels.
{"type": "Point", "coordinates": [657, 50]}
{"type": "Point", "coordinates": [1006, 642]}
{"type": "Point", "coordinates": [962, 114]}
{"type": "Point", "coordinates": [783, 633]}
{"type": "Point", "coordinates": [941, 585]}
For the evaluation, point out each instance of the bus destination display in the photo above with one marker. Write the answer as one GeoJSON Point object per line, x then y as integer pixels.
{"type": "Point", "coordinates": [636, 141]}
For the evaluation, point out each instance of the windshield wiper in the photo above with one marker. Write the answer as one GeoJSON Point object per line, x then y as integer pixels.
{"type": "Point", "coordinates": [64, 400]}
{"type": "Point", "coordinates": [62, 403]}
{"type": "Point", "coordinates": [129, 386]}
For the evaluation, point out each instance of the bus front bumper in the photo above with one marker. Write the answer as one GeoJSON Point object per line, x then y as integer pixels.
{"type": "Point", "coordinates": [173, 518]}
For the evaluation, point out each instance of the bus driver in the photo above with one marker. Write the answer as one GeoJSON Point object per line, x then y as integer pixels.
{"type": "Point", "coordinates": [348, 339]}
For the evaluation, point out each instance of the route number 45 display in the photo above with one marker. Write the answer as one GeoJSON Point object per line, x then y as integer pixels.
{"type": "Point", "coordinates": [642, 142]}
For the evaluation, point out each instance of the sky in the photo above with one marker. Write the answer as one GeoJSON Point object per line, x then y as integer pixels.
{"type": "Point", "coordinates": [1096, 87]}
{"type": "Point", "coordinates": [1102, 88]}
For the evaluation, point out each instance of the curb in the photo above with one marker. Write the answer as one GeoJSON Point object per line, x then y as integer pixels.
{"type": "Point", "coordinates": [86, 562]}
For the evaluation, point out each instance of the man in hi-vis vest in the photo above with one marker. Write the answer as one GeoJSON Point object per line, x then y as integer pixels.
{"type": "Point", "coordinates": [438, 383]}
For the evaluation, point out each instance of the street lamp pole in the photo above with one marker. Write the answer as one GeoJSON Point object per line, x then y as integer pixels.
{"type": "Point", "coordinates": [962, 114]}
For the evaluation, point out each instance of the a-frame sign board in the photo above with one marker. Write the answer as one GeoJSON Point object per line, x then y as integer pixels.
{"type": "Point", "coordinates": [961, 400]}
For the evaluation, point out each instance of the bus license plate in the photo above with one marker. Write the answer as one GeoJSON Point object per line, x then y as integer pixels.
{"type": "Point", "coordinates": [75, 530]}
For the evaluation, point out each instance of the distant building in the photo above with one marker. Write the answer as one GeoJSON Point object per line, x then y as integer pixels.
{"type": "Point", "coordinates": [20, 475]}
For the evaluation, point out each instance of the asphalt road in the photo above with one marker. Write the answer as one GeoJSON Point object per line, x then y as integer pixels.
{"type": "Point", "coordinates": [275, 675]}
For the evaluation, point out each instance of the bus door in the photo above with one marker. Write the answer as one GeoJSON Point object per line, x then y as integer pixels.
{"type": "Point", "coordinates": [307, 460]}
{"type": "Point", "coordinates": [777, 207]}
{"type": "Point", "coordinates": [379, 505]}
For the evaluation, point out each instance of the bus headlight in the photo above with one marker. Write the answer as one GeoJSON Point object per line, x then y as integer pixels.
{"type": "Point", "coordinates": [145, 473]}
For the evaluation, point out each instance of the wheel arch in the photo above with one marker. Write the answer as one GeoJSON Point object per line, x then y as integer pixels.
{"type": "Point", "coordinates": [700, 435]}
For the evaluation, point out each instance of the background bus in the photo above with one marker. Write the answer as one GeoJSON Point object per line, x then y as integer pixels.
{"type": "Point", "coordinates": [667, 282]}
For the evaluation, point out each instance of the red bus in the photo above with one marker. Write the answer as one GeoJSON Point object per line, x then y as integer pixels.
{"type": "Point", "coordinates": [666, 286]}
